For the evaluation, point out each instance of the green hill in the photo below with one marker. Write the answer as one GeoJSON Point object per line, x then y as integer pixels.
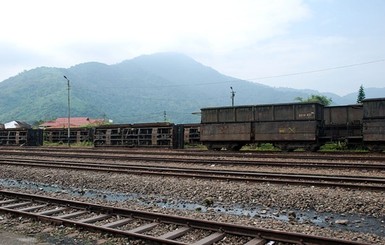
{"type": "Point", "coordinates": [137, 90]}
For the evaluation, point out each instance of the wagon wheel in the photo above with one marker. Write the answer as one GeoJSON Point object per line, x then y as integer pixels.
{"type": "Point", "coordinates": [234, 147]}
{"type": "Point", "coordinates": [210, 147]}
{"type": "Point", "coordinates": [375, 148]}
{"type": "Point", "coordinates": [312, 147]}
{"type": "Point", "coordinates": [284, 147]}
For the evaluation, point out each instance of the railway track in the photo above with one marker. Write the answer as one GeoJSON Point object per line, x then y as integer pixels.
{"type": "Point", "coordinates": [332, 156]}
{"type": "Point", "coordinates": [353, 182]}
{"type": "Point", "coordinates": [147, 226]}
{"type": "Point", "coordinates": [144, 157]}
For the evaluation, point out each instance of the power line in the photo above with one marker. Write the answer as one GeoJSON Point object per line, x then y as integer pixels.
{"type": "Point", "coordinates": [319, 70]}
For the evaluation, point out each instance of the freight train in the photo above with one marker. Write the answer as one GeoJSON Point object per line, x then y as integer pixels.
{"type": "Point", "coordinates": [21, 137]}
{"type": "Point", "coordinates": [288, 126]}
{"type": "Point", "coordinates": [161, 134]}
{"type": "Point", "coordinates": [294, 125]}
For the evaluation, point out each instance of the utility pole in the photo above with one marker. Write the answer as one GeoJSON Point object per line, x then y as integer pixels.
{"type": "Point", "coordinates": [69, 112]}
{"type": "Point", "coordinates": [232, 96]}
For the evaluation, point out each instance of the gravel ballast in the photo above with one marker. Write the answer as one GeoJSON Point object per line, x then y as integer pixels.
{"type": "Point", "coordinates": [263, 205]}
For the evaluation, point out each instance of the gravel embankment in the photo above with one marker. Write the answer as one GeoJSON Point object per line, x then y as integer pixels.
{"type": "Point", "coordinates": [158, 193]}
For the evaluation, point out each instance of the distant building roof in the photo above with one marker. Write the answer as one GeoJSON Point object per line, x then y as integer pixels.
{"type": "Point", "coordinates": [62, 122]}
{"type": "Point", "coordinates": [16, 124]}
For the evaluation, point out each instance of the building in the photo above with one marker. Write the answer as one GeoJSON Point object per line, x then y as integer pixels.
{"type": "Point", "coordinates": [16, 124]}
{"type": "Point", "coordinates": [75, 122]}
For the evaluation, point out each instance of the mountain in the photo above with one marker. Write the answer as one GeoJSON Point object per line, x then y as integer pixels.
{"type": "Point", "coordinates": [148, 88]}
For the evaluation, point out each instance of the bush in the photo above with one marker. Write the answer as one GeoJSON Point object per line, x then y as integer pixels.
{"type": "Point", "coordinates": [334, 146]}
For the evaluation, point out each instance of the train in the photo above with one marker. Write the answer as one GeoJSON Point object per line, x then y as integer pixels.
{"type": "Point", "coordinates": [288, 126]}
{"type": "Point", "coordinates": [291, 126]}
{"type": "Point", "coordinates": [21, 137]}
{"type": "Point", "coordinates": [159, 135]}
{"type": "Point", "coordinates": [156, 135]}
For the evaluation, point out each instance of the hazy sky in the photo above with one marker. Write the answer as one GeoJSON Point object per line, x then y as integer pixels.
{"type": "Point", "coordinates": [326, 45]}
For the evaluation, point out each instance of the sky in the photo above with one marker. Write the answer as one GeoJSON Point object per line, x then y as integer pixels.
{"type": "Point", "coordinates": [325, 45]}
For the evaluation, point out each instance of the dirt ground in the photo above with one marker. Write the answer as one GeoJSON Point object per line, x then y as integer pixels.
{"type": "Point", "coordinates": [8, 238]}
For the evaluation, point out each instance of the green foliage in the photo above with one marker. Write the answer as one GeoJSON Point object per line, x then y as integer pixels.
{"type": "Point", "coordinates": [316, 99]}
{"type": "Point", "coordinates": [361, 94]}
{"type": "Point", "coordinates": [93, 125]}
{"type": "Point", "coordinates": [208, 201]}
{"type": "Point", "coordinates": [196, 146]}
{"type": "Point", "coordinates": [334, 146]}
{"type": "Point", "coordinates": [260, 147]}
{"type": "Point", "coordinates": [134, 91]}
{"type": "Point", "coordinates": [342, 146]}
{"type": "Point", "coordinates": [83, 144]}
{"type": "Point", "coordinates": [61, 144]}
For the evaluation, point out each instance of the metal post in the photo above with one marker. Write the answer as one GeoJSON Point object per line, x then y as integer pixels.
{"type": "Point", "coordinates": [232, 96]}
{"type": "Point", "coordinates": [69, 112]}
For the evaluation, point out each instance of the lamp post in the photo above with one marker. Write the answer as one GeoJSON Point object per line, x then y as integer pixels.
{"type": "Point", "coordinates": [232, 96]}
{"type": "Point", "coordinates": [69, 112]}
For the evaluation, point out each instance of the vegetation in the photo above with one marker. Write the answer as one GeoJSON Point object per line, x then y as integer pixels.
{"type": "Point", "coordinates": [328, 147]}
{"type": "Point", "coordinates": [260, 147]}
{"type": "Point", "coordinates": [334, 146]}
{"type": "Point", "coordinates": [340, 146]}
{"type": "Point", "coordinates": [136, 91]}
{"type": "Point", "coordinates": [316, 99]}
{"type": "Point", "coordinates": [61, 144]}
{"type": "Point", "coordinates": [195, 146]}
{"type": "Point", "coordinates": [361, 94]}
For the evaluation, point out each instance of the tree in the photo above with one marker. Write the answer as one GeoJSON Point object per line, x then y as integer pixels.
{"type": "Point", "coordinates": [361, 94]}
{"type": "Point", "coordinates": [316, 99]}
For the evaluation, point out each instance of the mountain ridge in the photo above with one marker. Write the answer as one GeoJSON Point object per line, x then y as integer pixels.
{"type": "Point", "coordinates": [147, 88]}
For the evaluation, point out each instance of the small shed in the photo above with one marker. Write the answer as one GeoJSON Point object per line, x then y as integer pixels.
{"type": "Point", "coordinates": [16, 124]}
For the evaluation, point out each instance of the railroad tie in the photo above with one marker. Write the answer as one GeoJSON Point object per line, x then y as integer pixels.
{"type": "Point", "coordinates": [256, 241]}
{"type": "Point", "coordinates": [29, 209]}
{"type": "Point", "coordinates": [175, 233]}
{"type": "Point", "coordinates": [7, 201]}
{"type": "Point", "coordinates": [71, 215]}
{"type": "Point", "coordinates": [53, 211]}
{"type": "Point", "coordinates": [210, 239]}
{"type": "Point", "coordinates": [144, 228]}
{"type": "Point", "coordinates": [117, 223]}
{"type": "Point", "coordinates": [17, 205]}
{"type": "Point", "coordinates": [93, 219]}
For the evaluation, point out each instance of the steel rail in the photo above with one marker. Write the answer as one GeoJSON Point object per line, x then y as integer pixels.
{"type": "Point", "coordinates": [33, 206]}
{"type": "Point", "coordinates": [252, 154]}
{"type": "Point", "coordinates": [361, 182]}
{"type": "Point", "coordinates": [249, 173]}
{"type": "Point", "coordinates": [275, 163]}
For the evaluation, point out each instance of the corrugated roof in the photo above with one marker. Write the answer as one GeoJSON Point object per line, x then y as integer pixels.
{"type": "Point", "coordinates": [62, 122]}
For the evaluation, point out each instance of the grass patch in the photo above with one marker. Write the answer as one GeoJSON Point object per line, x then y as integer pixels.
{"type": "Point", "coordinates": [61, 144]}
{"type": "Point", "coordinates": [260, 147]}
{"type": "Point", "coordinates": [341, 146]}
{"type": "Point", "coordinates": [195, 146]}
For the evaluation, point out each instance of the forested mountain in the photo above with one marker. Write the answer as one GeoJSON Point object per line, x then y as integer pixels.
{"type": "Point", "coordinates": [144, 89]}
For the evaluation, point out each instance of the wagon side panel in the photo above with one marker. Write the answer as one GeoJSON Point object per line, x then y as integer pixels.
{"type": "Point", "coordinates": [229, 132]}
{"type": "Point", "coordinates": [286, 131]}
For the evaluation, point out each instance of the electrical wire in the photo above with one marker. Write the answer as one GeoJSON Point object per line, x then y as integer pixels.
{"type": "Point", "coordinates": [319, 70]}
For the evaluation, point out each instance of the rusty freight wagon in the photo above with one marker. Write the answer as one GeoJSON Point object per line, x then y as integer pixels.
{"type": "Point", "coordinates": [135, 135]}
{"type": "Point", "coordinates": [21, 137]}
{"type": "Point", "coordinates": [287, 126]}
{"type": "Point", "coordinates": [343, 123]}
{"type": "Point", "coordinates": [374, 124]}
{"type": "Point", "coordinates": [60, 135]}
